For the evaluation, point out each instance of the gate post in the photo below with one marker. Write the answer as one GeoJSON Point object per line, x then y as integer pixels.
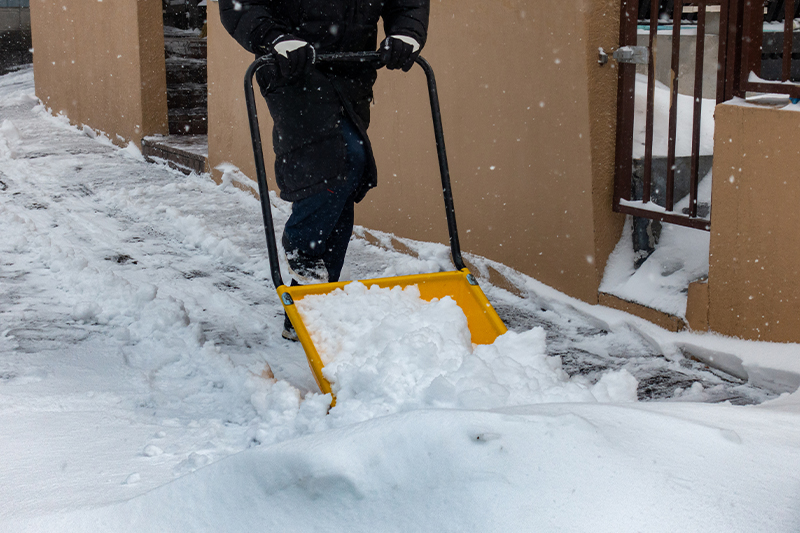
{"type": "Point", "coordinates": [629, 14]}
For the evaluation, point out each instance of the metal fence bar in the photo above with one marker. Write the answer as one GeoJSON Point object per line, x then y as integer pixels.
{"type": "Point", "coordinates": [736, 25]}
{"type": "Point", "coordinates": [698, 108]}
{"type": "Point", "coordinates": [723, 45]}
{"type": "Point", "coordinates": [673, 105]}
{"type": "Point", "coordinates": [670, 218]}
{"type": "Point", "coordinates": [749, 37]}
{"type": "Point", "coordinates": [626, 98]}
{"type": "Point", "coordinates": [792, 90]}
{"type": "Point", "coordinates": [727, 51]}
{"type": "Point", "coordinates": [752, 38]}
{"type": "Point", "coordinates": [788, 32]}
{"type": "Point", "coordinates": [651, 93]}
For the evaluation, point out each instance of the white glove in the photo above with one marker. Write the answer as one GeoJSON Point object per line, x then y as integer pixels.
{"type": "Point", "coordinates": [399, 52]}
{"type": "Point", "coordinates": [294, 56]}
{"type": "Point", "coordinates": [408, 40]}
{"type": "Point", "coordinates": [284, 47]}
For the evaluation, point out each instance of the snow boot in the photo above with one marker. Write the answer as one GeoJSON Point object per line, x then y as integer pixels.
{"type": "Point", "coordinates": [288, 330]}
{"type": "Point", "coordinates": [306, 270]}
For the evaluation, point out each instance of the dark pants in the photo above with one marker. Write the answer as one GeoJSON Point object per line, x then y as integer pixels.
{"type": "Point", "coordinates": [320, 226]}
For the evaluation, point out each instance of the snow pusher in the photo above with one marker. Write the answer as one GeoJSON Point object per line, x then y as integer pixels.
{"type": "Point", "coordinates": [482, 319]}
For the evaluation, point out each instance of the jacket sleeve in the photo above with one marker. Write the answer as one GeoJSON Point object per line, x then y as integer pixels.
{"type": "Point", "coordinates": [252, 23]}
{"type": "Point", "coordinates": [407, 17]}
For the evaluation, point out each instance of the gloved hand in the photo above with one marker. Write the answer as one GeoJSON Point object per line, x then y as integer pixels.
{"type": "Point", "coordinates": [399, 51]}
{"type": "Point", "coordinates": [294, 56]}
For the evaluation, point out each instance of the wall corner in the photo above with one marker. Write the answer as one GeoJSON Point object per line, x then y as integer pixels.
{"type": "Point", "coordinates": [152, 71]}
{"type": "Point", "coordinates": [697, 306]}
{"type": "Point", "coordinates": [602, 31]}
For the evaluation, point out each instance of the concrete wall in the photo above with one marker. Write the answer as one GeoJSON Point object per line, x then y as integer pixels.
{"type": "Point", "coordinates": [529, 121]}
{"type": "Point", "coordinates": [15, 37]}
{"type": "Point", "coordinates": [754, 271]}
{"type": "Point", "coordinates": [109, 76]}
{"type": "Point", "coordinates": [688, 62]}
{"type": "Point", "coordinates": [688, 55]}
{"type": "Point", "coordinates": [228, 131]}
{"type": "Point", "coordinates": [15, 18]}
{"type": "Point", "coordinates": [602, 25]}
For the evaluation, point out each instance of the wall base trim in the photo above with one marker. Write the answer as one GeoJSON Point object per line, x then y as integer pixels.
{"type": "Point", "coordinates": [664, 320]}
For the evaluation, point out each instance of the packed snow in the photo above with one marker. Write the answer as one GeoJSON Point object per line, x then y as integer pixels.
{"type": "Point", "coordinates": [144, 384]}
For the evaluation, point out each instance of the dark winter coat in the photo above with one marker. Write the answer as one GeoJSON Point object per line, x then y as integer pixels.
{"type": "Point", "coordinates": [307, 112]}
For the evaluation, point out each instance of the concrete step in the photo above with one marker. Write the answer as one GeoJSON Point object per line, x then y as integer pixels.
{"type": "Point", "coordinates": [187, 153]}
{"type": "Point", "coordinates": [192, 121]}
{"type": "Point", "coordinates": [185, 70]}
{"type": "Point", "coordinates": [188, 95]}
{"type": "Point", "coordinates": [15, 49]}
{"type": "Point", "coordinates": [187, 47]}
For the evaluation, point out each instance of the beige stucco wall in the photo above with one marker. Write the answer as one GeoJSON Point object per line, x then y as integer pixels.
{"type": "Point", "coordinates": [754, 270]}
{"type": "Point", "coordinates": [102, 64]}
{"type": "Point", "coordinates": [228, 131]}
{"type": "Point", "coordinates": [529, 126]}
{"type": "Point", "coordinates": [602, 22]}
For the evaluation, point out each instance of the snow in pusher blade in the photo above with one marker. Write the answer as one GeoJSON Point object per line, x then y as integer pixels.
{"type": "Point", "coordinates": [484, 324]}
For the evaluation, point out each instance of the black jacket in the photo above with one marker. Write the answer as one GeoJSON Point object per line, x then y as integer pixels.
{"type": "Point", "coordinates": [307, 113]}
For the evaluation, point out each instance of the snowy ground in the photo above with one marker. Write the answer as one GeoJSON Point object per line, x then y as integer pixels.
{"type": "Point", "coordinates": [138, 326]}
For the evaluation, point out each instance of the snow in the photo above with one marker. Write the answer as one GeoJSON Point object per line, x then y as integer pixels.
{"type": "Point", "coordinates": [766, 100]}
{"type": "Point", "coordinates": [144, 385]}
{"type": "Point", "coordinates": [681, 255]}
{"type": "Point", "coordinates": [680, 258]}
{"type": "Point", "coordinates": [549, 468]}
{"type": "Point", "coordinates": [661, 101]}
{"type": "Point", "coordinates": [395, 352]}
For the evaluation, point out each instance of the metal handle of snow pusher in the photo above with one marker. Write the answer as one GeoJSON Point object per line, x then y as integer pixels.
{"type": "Point", "coordinates": [258, 152]}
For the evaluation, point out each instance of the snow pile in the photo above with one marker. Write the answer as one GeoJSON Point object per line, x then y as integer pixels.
{"type": "Point", "coordinates": [387, 350]}
{"type": "Point", "coordinates": [680, 258]}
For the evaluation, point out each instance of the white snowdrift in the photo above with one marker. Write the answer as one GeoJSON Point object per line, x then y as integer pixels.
{"type": "Point", "coordinates": [559, 467]}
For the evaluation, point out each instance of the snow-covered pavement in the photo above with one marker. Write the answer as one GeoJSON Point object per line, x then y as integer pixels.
{"type": "Point", "coordinates": [139, 330]}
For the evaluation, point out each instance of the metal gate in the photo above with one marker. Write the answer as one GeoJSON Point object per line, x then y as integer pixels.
{"type": "Point", "coordinates": [664, 187]}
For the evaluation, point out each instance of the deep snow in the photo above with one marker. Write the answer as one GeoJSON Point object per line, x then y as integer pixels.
{"type": "Point", "coordinates": [139, 333]}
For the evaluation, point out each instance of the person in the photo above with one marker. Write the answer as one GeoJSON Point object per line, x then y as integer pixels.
{"type": "Point", "coordinates": [324, 163]}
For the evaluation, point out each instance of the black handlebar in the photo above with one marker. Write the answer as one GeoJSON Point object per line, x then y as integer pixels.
{"type": "Point", "coordinates": [362, 57]}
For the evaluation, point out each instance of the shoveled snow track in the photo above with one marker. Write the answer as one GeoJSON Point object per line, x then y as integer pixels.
{"type": "Point", "coordinates": [91, 202]}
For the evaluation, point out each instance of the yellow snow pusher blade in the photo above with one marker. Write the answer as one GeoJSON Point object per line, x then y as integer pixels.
{"type": "Point", "coordinates": [484, 324]}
